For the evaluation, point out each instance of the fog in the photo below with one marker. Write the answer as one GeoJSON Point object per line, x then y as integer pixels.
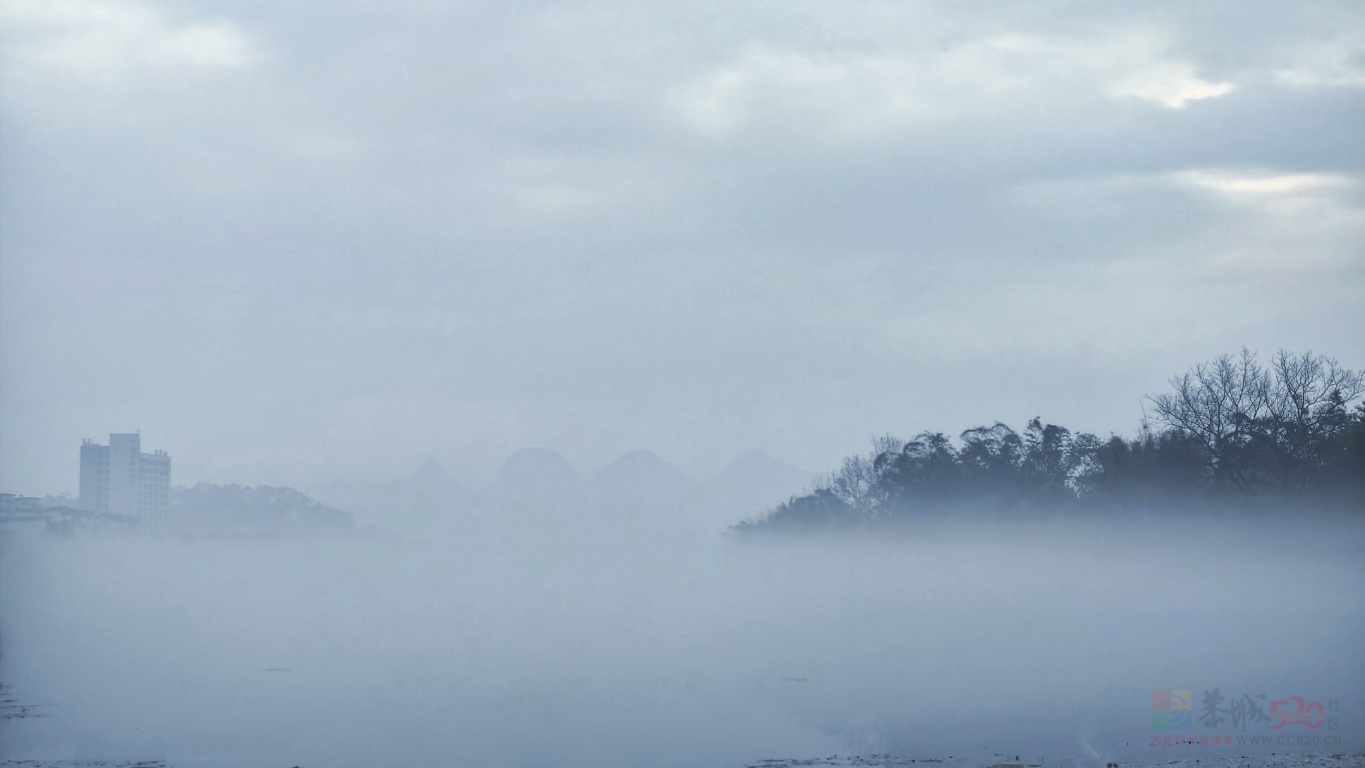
{"type": "Point", "coordinates": [302, 248]}
{"type": "Point", "coordinates": [512, 640]}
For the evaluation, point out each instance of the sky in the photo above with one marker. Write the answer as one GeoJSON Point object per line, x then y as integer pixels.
{"type": "Point", "coordinates": [295, 243]}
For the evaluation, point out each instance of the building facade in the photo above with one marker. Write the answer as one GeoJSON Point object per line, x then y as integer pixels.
{"type": "Point", "coordinates": [120, 479]}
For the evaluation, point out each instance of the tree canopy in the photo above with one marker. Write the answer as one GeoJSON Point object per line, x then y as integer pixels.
{"type": "Point", "coordinates": [1229, 429]}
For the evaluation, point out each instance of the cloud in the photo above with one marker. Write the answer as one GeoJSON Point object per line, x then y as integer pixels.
{"type": "Point", "coordinates": [1265, 183]}
{"type": "Point", "coordinates": [113, 41]}
{"type": "Point", "coordinates": [1338, 61]}
{"type": "Point", "coordinates": [855, 94]}
{"type": "Point", "coordinates": [1172, 87]}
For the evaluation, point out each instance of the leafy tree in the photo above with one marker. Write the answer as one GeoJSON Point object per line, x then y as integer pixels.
{"type": "Point", "coordinates": [991, 458]}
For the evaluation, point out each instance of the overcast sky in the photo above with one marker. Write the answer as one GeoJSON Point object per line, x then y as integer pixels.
{"type": "Point", "coordinates": [302, 242]}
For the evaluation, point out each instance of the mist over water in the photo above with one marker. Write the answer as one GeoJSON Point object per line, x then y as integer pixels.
{"type": "Point", "coordinates": [1058, 261]}
{"type": "Point", "coordinates": [516, 641]}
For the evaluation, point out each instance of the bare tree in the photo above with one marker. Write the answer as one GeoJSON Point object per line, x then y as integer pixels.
{"type": "Point", "coordinates": [1255, 424]}
{"type": "Point", "coordinates": [1217, 404]}
{"type": "Point", "coordinates": [1307, 401]}
{"type": "Point", "coordinates": [1307, 388]}
{"type": "Point", "coordinates": [887, 443]}
{"type": "Point", "coordinates": [855, 484]}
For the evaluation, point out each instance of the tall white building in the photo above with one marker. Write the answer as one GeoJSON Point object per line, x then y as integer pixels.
{"type": "Point", "coordinates": [120, 479]}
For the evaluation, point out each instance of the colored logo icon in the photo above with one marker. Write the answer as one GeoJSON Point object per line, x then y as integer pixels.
{"type": "Point", "coordinates": [1172, 710]}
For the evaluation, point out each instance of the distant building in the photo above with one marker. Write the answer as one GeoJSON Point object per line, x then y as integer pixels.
{"type": "Point", "coordinates": [120, 479]}
{"type": "Point", "coordinates": [13, 505]}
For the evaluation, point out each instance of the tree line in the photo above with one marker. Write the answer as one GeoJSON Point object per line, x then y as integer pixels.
{"type": "Point", "coordinates": [1229, 430]}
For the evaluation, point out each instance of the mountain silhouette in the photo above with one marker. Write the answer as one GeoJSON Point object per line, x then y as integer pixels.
{"type": "Point", "coordinates": [426, 497]}
{"type": "Point", "coordinates": [535, 479]}
{"type": "Point", "coordinates": [641, 487]}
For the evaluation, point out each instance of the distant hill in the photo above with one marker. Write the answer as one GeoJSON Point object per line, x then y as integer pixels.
{"type": "Point", "coordinates": [644, 478]}
{"type": "Point", "coordinates": [644, 485]}
{"type": "Point", "coordinates": [538, 484]}
{"type": "Point", "coordinates": [238, 510]}
{"type": "Point", "coordinates": [423, 499]}
{"type": "Point", "coordinates": [535, 480]}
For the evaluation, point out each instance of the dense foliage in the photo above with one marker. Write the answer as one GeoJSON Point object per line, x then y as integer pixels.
{"type": "Point", "coordinates": [1230, 429]}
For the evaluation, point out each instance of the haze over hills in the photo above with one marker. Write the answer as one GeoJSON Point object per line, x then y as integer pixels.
{"type": "Point", "coordinates": [540, 482]}
{"type": "Point", "coordinates": [640, 488]}
{"type": "Point", "coordinates": [534, 477]}
{"type": "Point", "coordinates": [403, 503]}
